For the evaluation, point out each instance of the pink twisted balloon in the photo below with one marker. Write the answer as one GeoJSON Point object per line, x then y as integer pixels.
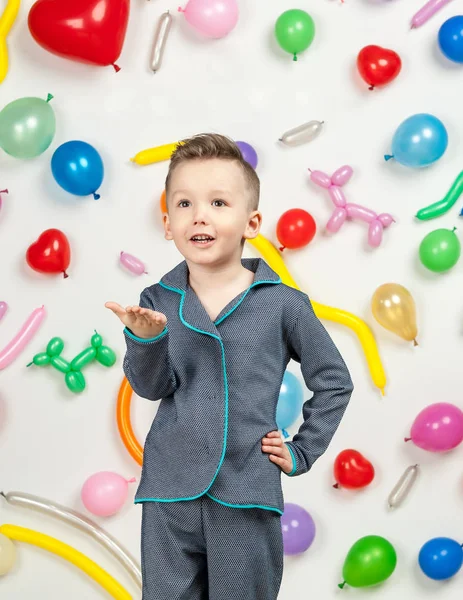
{"type": "Point", "coordinates": [347, 210]}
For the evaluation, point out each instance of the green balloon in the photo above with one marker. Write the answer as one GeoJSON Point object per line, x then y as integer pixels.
{"type": "Point", "coordinates": [371, 560]}
{"type": "Point", "coordinates": [27, 127]}
{"type": "Point", "coordinates": [106, 356]}
{"type": "Point", "coordinates": [83, 358]}
{"type": "Point", "coordinates": [60, 364]}
{"type": "Point", "coordinates": [55, 346]}
{"type": "Point", "coordinates": [440, 250]}
{"type": "Point", "coordinates": [294, 31]}
{"type": "Point", "coordinates": [40, 359]}
{"type": "Point", "coordinates": [75, 381]}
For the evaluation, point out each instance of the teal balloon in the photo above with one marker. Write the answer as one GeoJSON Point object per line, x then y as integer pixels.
{"type": "Point", "coordinates": [290, 401]}
{"type": "Point", "coordinates": [27, 127]}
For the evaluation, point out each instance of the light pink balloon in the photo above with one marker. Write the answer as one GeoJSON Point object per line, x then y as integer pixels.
{"type": "Point", "coordinates": [212, 18]}
{"type": "Point", "coordinates": [348, 210]}
{"type": "Point", "coordinates": [105, 493]}
{"type": "Point", "coordinates": [17, 344]}
{"type": "Point", "coordinates": [133, 264]}
{"type": "Point", "coordinates": [2, 192]}
{"type": "Point", "coordinates": [438, 427]}
{"type": "Point", "coordinates": [3, 309]}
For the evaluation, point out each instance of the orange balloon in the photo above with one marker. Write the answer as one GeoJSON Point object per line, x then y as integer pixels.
{"type": "Point", "coordinates": [124, 423]}
{"type": "Point", "coordinates": [163, 202]}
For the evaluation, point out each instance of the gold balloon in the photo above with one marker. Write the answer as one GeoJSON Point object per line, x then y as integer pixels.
{"type": "Point", "coordinates": [394, 308]}
{"type": "Point", "coordinates": [7, 554]}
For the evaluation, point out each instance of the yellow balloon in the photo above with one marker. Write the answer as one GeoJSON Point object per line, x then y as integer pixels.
{"type": "Point", "coordinates": [394, 308]}
{"type": "Point", "coordinates": [6, 21]}
{"type": "Point", "coordinates": [273, 258]}
{"type": "Point", "coordinates": [152, 155]}
{"type": "Point", "coordinates": [21, 534]}
{"type": "Point", "coordinates": [7, 554]}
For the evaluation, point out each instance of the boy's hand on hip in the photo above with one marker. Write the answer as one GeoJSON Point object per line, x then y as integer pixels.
{"type": "Point", "coordinates": [142, 322]}
{"type": "Point", "coordinates": [278, 452]}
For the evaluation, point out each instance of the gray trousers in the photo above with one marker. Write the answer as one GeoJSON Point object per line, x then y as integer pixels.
{"type": "Point", "coordinates": [202, 550]}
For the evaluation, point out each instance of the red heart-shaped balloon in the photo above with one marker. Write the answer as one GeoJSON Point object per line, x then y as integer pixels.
{"type": "Point", "coordinates": [51, 253]}
{"type": "Point", "coordinates": [377, 65]}
{"type": "Point", "coordinates": [89, 31]}
{"type": "Point", "coordinates": [352, 470]}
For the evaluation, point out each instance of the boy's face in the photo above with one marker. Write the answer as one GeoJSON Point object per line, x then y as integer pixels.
{"type": "Point", "coordinates": [209, 197]}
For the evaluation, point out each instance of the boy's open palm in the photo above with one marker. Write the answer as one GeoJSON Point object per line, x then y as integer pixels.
{"type": "Point", "coordinates": [142, 322]}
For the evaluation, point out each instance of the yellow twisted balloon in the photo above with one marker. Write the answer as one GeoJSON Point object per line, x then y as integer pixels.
{"type": "Point", "coordinates": [21, 534]}
{"type": "Point", "coordinates": [6, 21]}
{"type": "Point", "coordinates": [273, 258]}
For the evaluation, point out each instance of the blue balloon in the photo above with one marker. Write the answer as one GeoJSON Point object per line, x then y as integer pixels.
{"type": "Point", "coordinates": [450, 38]}
{"type": "Point", "coordinates": [419, 141]}
{"type": "Point", "coordinates": [78, 168]}
{"type": "Point", "coordinates": [290, 402]}
{"type": "Point", "coordinates": [440, 558]}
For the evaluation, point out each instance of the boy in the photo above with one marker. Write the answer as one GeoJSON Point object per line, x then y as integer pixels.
{"type": "Point", "coordinates": [212, 340]}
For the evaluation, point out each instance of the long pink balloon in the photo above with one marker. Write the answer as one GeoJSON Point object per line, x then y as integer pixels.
{"type": "Point", "coordinates": [14, 348]}
{"type": "Point", "coordinates": [425, 13]}
{"type": "Point", "coordinates": [132, 263]}
{"type": "Point", "coordinates": [348, 210]}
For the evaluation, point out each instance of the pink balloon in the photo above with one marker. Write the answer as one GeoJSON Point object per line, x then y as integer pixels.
{"type": "Point", "coordinates": [212, 18]}
{"type": "Point", "coordinates": [2, 192]}
{"type": "Point", "coordinates": [348, 210]}
{"type": "Point", "coordinates": [438, 427]}
{"type": "Point", "coordinates": [17, 344]}
{"type": "Point", "coordinates": [105, 493]}
{"type": "Point", "coordinates": [3, 309]}
{"type": "Point", "coordinates": [133, 264]}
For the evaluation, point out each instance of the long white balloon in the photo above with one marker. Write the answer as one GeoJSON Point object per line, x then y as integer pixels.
{"type": "Point", "coordinates": [81, 522]}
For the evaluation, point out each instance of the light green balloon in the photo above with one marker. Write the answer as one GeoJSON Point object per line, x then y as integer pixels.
{"type": "Point", "coordinates": [371, 560]}
{"type": "Point", "coordinates": [440, 250]}
{"type": "Point", "coordinates": [294, 30]}
{"type": "Point", "coordinates": [27, 127]}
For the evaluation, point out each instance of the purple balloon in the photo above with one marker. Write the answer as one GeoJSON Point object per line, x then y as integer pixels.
{"type": "Point", "coordinates": [298, 529]}
{"type": "Point", "coordinates": [248, 152]}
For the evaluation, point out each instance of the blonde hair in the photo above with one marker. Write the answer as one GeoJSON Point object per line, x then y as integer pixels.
{"type": "Point", "coordinates": [214, 145]}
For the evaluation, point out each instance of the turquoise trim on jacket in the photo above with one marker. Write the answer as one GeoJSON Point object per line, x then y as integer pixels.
{"type": "Point", "coordinates": [294, 460]}
{"type": "Point", "coordinates": [182, 293]}
{"type": "Point", "coordinates": [145, 340]}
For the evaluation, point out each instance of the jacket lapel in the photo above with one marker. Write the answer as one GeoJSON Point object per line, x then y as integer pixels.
{"type": "Point", "coordinates": [192, 313]}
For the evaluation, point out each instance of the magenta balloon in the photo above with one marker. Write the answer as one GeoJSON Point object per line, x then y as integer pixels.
{"type": "Point", "coordinates": [438, 427]}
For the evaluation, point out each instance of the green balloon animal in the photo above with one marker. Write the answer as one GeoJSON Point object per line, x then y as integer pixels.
{"type": "Point", "coordinates": [73, 370]}
{"type": "Point", "coordinates": [371, 560]}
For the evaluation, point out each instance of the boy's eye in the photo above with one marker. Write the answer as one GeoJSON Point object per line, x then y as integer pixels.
{"type": "Point", "coordinates": [222, 202]}
{"type": "Point", "coordinates": [182, 202]}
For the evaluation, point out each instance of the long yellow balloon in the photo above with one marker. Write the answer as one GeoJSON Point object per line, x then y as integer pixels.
{"type": "Point", "coordinates": [6, 21]}
{"type": "Point", "coordinates": [29, 536]}
{"type": "Point", "coordinates": [152, 155]}
{"type": "Point", "coordinates": [273, 257]}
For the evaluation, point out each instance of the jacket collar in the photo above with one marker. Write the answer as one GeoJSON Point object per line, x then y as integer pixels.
{"type": "Point", "coordinates": [192, 313]}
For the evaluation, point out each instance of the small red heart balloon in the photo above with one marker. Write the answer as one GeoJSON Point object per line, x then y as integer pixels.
{"type": "Point", "coordinates": [377, 65]}
{"type": "Point", "coordinates": [352, 470]}
{"type": "Point", "coordinates": [89, 31]}
{"type": "Point", "coordinates": [51, 253]}
{"type": "Point", "coordinates": [295, 228]}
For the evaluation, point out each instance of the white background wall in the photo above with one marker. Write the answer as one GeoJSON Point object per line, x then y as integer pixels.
{"type": "Point", "coordinates": [246, 87]}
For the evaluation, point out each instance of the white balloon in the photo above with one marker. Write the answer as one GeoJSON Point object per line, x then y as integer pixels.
{"type": "Point", "coordinates": [160, 37]}
{"type": "Point", "coordinates": [403, 486]}
{"type": "Point", "coordinates": [302, 134]}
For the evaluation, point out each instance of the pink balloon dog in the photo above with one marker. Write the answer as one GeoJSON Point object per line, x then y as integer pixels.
{"type": "Point", "coordinates": [438, 427]}
{"type": "Point", "coordinates": [347, 210]}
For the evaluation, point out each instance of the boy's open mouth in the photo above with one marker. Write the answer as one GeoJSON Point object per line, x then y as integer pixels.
{"type": "Point", "coordinates": [202, 240]}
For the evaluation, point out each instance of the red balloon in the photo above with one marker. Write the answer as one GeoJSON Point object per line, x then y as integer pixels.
{"type": "Point", "coordinates": [50, 253]}
{"type": "Point", "coordinates": [377, 65]}
{"type": "Point", "coordinates": [295, 228]}
{"type": "Point", "coordinates": [352, 470]}
{"type": "Point", "coordinates": [89, 31]}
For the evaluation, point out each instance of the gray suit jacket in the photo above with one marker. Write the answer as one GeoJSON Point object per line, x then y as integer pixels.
{"type": "Point", "coordinates": [219, 384]}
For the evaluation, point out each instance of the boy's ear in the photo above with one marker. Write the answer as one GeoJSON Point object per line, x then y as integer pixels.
{"type": "Point", "coordinates": [253, 226]}
{"type": "Point", "coordinates": [166, 222]}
